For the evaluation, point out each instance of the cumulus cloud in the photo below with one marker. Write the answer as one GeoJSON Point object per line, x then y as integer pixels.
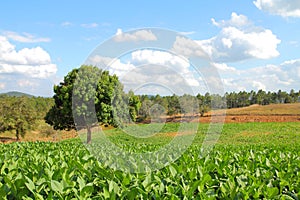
{"type": "Point", "coordinates": [165, 59]}
{"type": "Point", "coordinates": [156, 69]}
{"type": "Point", "coordinates": [239, 40]}
{"type": "Point", "coordinates": [186, 47]}
{"type": "Point", "coordinates": [150, 70]}
{"type": "Point", "coordinates": [114, 65]}
{"type": "Point", "coordinates": [284, 8]}
{"type": "Point", "coordinates": [24, 37]}
{"type": "Point", "coordinates": [30, 62]}
{"type": "Point", "coordinates": [235, 21]}
{"type": "Point", "coordinates": [284, 76]}
{"type": "Point", "coordinates": [159, 57]}
{"type": "Point", "coordinates": [224, 68]}
{"type": "Point", "coordinates": [140, 35]}
{"type": "Point", "coordinates": [258, 85]}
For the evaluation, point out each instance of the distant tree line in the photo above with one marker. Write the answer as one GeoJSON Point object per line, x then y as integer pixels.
{"type": "Point", "coordinates": [200, 104]}
{"type": "Point", "coordinates": [242, 99]}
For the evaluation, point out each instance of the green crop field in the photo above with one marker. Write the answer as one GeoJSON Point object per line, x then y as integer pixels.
{"type": "Point", "coordinates": [249, 161]}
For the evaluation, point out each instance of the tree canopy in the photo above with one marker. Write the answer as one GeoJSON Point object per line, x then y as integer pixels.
{"type": "Point", "coordinates": [88, 96]}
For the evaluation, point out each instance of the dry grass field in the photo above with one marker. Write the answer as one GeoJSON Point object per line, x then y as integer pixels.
{"type": "Point", "coordinates": [272, 109]}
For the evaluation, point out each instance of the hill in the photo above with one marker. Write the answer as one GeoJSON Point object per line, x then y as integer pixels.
{"type": "Point", "coordinates": [16, 94]}
{"type": "Point", "coordinates": [272, 109]}
{"type": "Point", "coordinates": [256, 113]}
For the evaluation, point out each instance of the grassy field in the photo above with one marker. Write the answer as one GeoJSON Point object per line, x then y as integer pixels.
{"type": "Point", "coordinates": [285, 133]}
{"type": "Point", "coordinates": [249, 161]}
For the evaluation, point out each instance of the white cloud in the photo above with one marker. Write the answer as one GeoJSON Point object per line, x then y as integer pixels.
{"type": "Point", "coordinates": [115, 66]}
{"type": "Point", "coordinates": [187, 32]}
{"type": "Point", "coordinates": [2, 86]}
{"type": "Point", "coordinates": [91, 25]}
{"type": "Point", "coordinates": [293, 69]}
{"type": "Point", "coordinates": [26, 83]}
{"type": "Point", "coordinates": [235, 21]}
{"type": "Point", "coordinates": [24, 37]}
{"type": "Point", "coordinates": [233, 84]}
{"type": "Point", "coordinates": [160, 58]}
{"type": "Point", "coordinates": [169, 70]}
{"type": "Point", "coordinates": [258, 85]}
{"type": "Point", "coordinates": [227, 43]}
{"type": "Point", "coordinates": [66, 24]}
{"type": "Point", "coordinates": [119, 31]}
{"type": "Point", "coordinates": [187, 47]}
{"type": "Point", "coordinates": [284, 8]}
{"type": "Point", "coordinates": [285, 76]}
{"type": "Point", "coordinates": [30, 62]}
{"type": "Point", "coordinates": [37, 71]}
{"type": "Point", "coordinates": [178, 64]}
{"type": "Point", "coordinates": [239, 40]}
{"type": "Point", "coordinates": [153, 67]}
{"type": "Point", "coordinates": [224, 68]}
{"type": "Point", "coordinates": [153, 79]}
{"type": "Point", "coordinates": [161, 71]}
{"type": "Point", "coordinates": [144, 57]}
{"type": "Point", "coordinates": [100, 61]}
{"type": "Point", "coordinates": [140, 35]}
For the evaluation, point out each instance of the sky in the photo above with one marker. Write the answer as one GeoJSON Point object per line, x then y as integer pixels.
{"type": "Point", "coordinates": [249, 45]}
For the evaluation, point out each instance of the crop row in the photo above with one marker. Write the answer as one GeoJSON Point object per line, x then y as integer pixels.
{"type": "Point", "coordinates": [66, 170]}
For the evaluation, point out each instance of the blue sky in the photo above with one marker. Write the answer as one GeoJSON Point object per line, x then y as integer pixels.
{"type": "Point", "coordinates": [253, 44]}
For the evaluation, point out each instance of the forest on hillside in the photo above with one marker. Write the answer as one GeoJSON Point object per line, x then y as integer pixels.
{"type": "Point", "coordinates": [202, 103]}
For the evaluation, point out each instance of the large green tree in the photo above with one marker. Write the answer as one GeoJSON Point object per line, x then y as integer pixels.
{"type": "Point", "coordinates": [88, 96]}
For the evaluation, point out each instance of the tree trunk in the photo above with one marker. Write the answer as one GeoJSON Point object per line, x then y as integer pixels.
{"type": "Point", "coordinates": [89, 135]}
{"type": "Point", "coordinates": [17, 134]}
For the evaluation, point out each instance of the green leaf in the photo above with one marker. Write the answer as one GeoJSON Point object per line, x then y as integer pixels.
{"type": "Point", "coordinates": [173, 171]}
{"type": "Point", "coordinates": [38, 196]}
{"type": "Point", "coordinates": [56, 186]}
{"type": "Point", "coordinates": [106, 193]}
{"type": "Point", "coordinates": [29, 184]}
{"type": "Point", "coordinates": [4, 190]}
{"type": "Point", "coordinates": [147, 181]}
{"type": "Point", "coordinates": [87, 190]}
{"type": "Point", "coordinates": [206, 178]}
{"type": "Point", "coordinates": [193, 187]}
{"type": "Point", "coordinates": [268, 164]}
{"type": "Point", "coordinates": [272, 192]}
{"type": "Point", "coordinates": [113, 187]}
{"type": "Point", "coordinates": [81, 183]}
